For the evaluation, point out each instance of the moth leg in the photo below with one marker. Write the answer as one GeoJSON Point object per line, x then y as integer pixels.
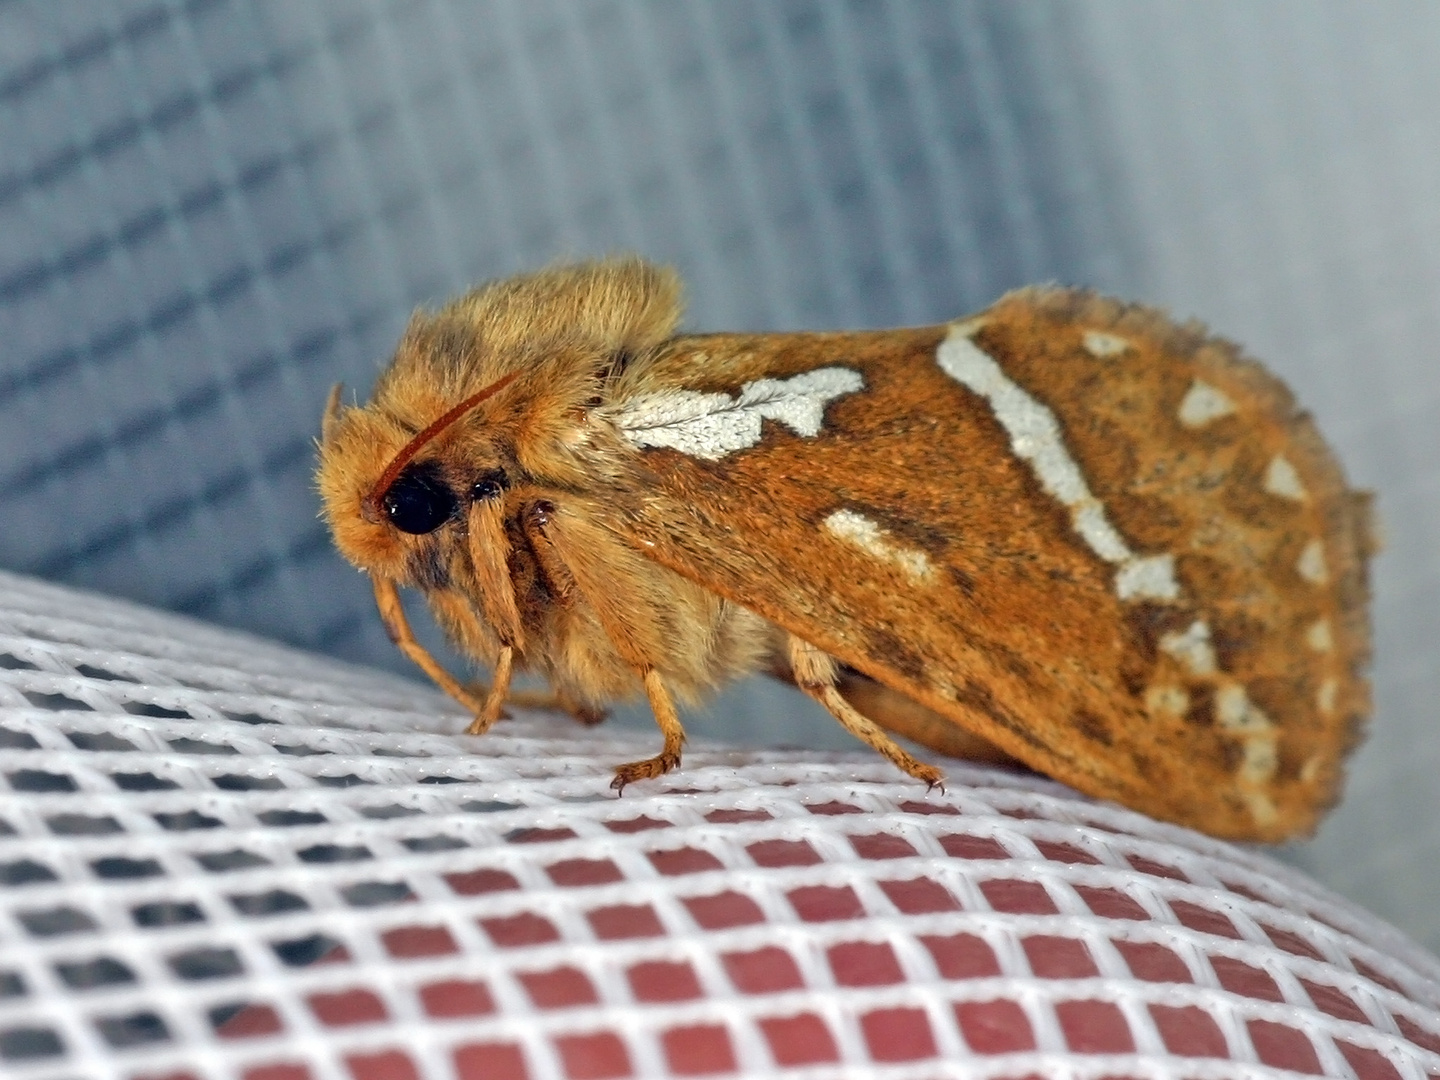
{"type": "Point", "coordinates": [494, 707]}
{"type": "Point", "coordinates": [817, 674]}
{"type": "Point", "coordinates": [463, 624]}
{"type": "Point", "coordinates": [490, 559]}
{"type": "Point", "coordinates": [670, 727]}
{"type": "Point", "coordinates": [392, 614]}
{"type": "Point", "coordinates": [583, 568]}
{"type": "Point", "coordinates": [557, 699]}
{"type": "Point", "coordinates": [558, 578]}
{"type": "Point", "coordinates": [457, 612]}
{"type": "Point", "coordinates": [902, 715]}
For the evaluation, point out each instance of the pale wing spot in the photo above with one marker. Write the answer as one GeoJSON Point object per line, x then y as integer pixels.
{"type": "Point", "coordinates": [1310, 771]}
{"type": "Point", "coordinates": [1311, 565]}
{"type": "Point", "coordinates": [859, 530]}
{"type": "Point", "coordinates": [701, 425]}
{"type": "Point", "coordinates": [1035, 439]}
{"type": "Point", "coordinates": [1232, 705]}
{"type": "Point", "coordinates": [1282, 479]}
{"type": "Point", "coordinates": [799, 401]}
{"type": "Point", "coordinates": [1260, 760]}
{"type": "Point", "coordinates": [1090, 522]}
{"type": "Point", "coordinates": [1148, 578]}
{"type": "Point", "coordinates": [1202, 404]}
{"type": "Point", "coordinates": [1192, 648]}
{"type": "Point", "coordinates": [1326, 695]}
{"type": "Point", "coordinates": [1262, 808]}
{"type": "Point", "coordinates": [1318, 637]}
{"type": "Point", "coordinates": [709, 426]}
{"type": "Point", "coordinates": [1242, 718]}
{"type": "Point", "coordinates": [1166, 700]}
{"type": "Point", "coordinates": [1102, 346]}
{"type": "Point", "coordinates": [1237, 713]}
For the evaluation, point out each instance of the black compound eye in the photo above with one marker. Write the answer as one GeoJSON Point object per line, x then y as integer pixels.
{"type": "Point", "coordinates": [490, 486]}
{"type": "Point", "coordinates": [419, 501]}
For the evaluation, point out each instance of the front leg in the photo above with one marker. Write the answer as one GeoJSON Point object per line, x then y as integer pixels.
{"type": "Point", "coordinates": [576, 554]}
{"type": "Point", "coordinates": [486, 703]}
{"type": "Point", "coordinates": [397, 626]}
{"type": "Point", "coordinates": [494, 707]}
{"type": "Point", "coordinates": [455, 612]}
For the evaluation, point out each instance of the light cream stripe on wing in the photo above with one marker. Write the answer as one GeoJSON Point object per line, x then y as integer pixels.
{"type": "Point", "coordinates": [1035, 437]}
{"type": "Point", "coordinates": [709, 426]}
{"type": "Point", "coordinates": [857, 529]}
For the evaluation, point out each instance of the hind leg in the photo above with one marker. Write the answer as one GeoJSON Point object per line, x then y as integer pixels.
{"type": "Point", "coordinates": [817, 674]}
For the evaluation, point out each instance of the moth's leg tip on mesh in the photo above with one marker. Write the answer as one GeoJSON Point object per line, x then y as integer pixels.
{"type": "Point", "coordinates": [648, 769]}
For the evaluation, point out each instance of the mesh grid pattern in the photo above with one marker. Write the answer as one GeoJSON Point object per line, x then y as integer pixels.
{"type": "Point", "coordinates": [222, 858]}
{"type": "Point", "coordinates": [212, 210]}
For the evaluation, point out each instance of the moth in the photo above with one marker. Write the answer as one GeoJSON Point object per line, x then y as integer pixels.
{"type": "Point", "coordinates": [1066, 532]}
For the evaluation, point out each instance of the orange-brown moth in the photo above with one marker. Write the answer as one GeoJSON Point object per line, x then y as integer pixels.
{"type": "Point", "coordinates": [1066, 531]}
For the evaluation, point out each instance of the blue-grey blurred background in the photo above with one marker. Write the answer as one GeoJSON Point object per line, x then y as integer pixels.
{"type": "Point", "coordinates": [210, 211]}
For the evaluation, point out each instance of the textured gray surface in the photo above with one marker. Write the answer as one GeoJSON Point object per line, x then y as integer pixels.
{"type": "Point", "coordinates": [212, 211]}
{"type": "Point", "coordinates": [215, 212]}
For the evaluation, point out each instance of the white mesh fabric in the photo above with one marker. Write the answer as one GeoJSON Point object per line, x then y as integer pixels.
{"type": "Point", "coordinates": [221, 858]}
{"type": "Point", "coordinates": [213, 210]}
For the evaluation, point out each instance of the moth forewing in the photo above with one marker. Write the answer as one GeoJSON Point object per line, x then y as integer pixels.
{"type": "Point", "coordinates": [1020, 524]}
{"type": "Point", "coordinates": [1268, 638]}
{"type": "Point", "coordinates": [1104, 545]}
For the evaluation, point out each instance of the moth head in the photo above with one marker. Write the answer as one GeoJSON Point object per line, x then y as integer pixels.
{"type": "Point", "coordinates": [396, 472]}
{"type": "Point", "coordinates": [384, 494]}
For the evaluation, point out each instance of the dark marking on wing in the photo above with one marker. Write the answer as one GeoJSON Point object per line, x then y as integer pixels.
{"type": "Point", "coordinates": [1147, 623]}
{"type": "Point", "coordinates": [1232, 752]}
{"type": "Point", "coordinates": [1143, 625]}
{"type": "Point", "coordinates": [963, 581]}
{"type": "Point", "coordinates": [904, 527]}
{"type": "Point", "coordinates": [1235, 639]}
{"type": "Point", "coordinates": [1013, 662]}
{"type": "Point", "coordinates": [890, 648]}
{"type": "Point", "coordinates": [978, 697]}
{"type": "Point", "coordinates": [1092, 727]}
{"type": "Point", "coordinates": [1202, 706]}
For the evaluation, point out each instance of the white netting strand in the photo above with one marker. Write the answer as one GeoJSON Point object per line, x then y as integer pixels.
{"type": "Point", "coordinates": [221, 858]}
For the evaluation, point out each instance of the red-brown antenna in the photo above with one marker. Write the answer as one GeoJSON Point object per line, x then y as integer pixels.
{"type": "Point", "coordinates": [370, 508]}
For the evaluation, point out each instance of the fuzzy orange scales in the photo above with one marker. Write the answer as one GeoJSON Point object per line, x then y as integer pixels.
{"type": "Point", "coordinates": [1066, 531]}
